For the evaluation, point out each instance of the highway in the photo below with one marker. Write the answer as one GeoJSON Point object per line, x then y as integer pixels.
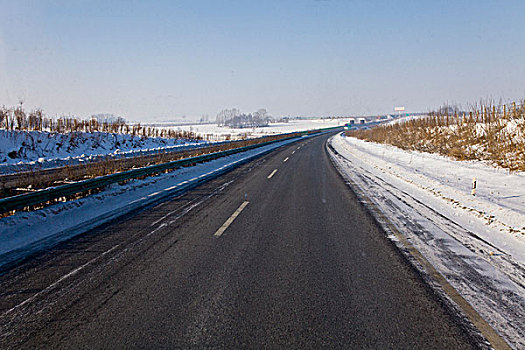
{"type": "Point", "coordinates": [278, 253]}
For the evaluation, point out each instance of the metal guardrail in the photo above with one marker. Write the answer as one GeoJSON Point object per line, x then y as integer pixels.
{"type": "Point", "coordinates": [40, 178]}
{"type": "Point", "coordinates": [30, 199]}
{"type": "Point", "coordinates": [105, 165]}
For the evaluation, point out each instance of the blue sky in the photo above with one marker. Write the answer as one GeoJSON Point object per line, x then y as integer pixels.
{"type": "Point", "coordinates": [154, 60]}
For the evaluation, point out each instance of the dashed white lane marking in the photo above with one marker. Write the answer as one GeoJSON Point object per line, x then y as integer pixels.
{"type": "Point", "coordinates": [228, 222]}
{"type": "Point", "coordinates": [293, 152]}
{"type": "Point", "coordinates": [272, 174]}
{"type": "Point", "coordinates": [285, 159]}
{"type": "Point", "coordinates": [187, 208]}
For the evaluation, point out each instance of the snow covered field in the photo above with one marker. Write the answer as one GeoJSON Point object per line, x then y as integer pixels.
{"type": "Point", "coordinates": [476, 242]}
{"type": "Point", "coordinates": [273, 128]}
{"type": "Point", "coordinates": [20, 150]}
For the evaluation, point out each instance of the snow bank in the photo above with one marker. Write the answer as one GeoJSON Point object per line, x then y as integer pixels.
{"type": "Point", "coordinates": [20, 149]}
{"type": "Point", "coordinates": [497, 211]}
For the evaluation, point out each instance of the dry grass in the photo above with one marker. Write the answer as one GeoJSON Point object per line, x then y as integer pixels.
{"type": "Point", "coordinates": [490, 133]}
{"type": "Point", "coordinates": [17, 118]}
{"type": "Point", "coordinates": [13, 184]}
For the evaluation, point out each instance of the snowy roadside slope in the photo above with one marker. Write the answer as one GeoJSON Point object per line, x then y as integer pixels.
{"type": "Point", "coordinates": [476, 243]}
{"type": "Point", "coordinates": [496, 212]}
{"type": "Point", "coordinates": [27, 232]}
{"type": "Point", "coordinates": [23, 150]}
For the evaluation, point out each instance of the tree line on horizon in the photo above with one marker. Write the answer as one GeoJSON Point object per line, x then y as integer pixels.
{"type": "Point", "coordinates": [17, 119]}
{"type": "Point", "coordinates": [234, 118]}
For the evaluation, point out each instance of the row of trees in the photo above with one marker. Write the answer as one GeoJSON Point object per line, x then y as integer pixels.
{"type": "Point", "coordinates": [235, 119]}
{"type": "Point", "coordinates": [18, 119]}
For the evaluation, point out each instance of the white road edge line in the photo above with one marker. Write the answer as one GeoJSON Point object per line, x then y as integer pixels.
{"type": "Point", "coordinates": [285, 159]}
{"type": "Point", "coordinates": [272, 174]}
{"type": "Point", "coordinates": [228, 222]}
{"type": "Point", "coordinates": [54, 284]}
{"type": "Point", "coordinates": [178, 209]}
{"type": "Point", "coordinates": [222, 187]}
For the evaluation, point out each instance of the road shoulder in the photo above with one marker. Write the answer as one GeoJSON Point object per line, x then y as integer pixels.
{"type": "Point", "coordinates": [442, 261]}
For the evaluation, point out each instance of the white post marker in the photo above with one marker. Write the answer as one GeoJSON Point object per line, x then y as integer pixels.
{"type": "Point", "coordinates": [228, 222]}
{"type": "Point", "coordinates": [474, 186]}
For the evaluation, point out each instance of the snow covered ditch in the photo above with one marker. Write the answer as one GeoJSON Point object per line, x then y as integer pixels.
{"type": "Point", "coordinates": [27, 232]}
{"type": "Point", "coordinates": [476, 242]}
{"type": "Point", "coordinates": [25, 150]}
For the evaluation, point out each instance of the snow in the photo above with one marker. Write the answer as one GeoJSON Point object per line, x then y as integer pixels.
{"type": "Point", "coordinates": [26, 232]}
{"type": "Point", "coordinates": [23, 150]}
{"type": "Point", "coordinates": [476, 242]}
{"type": "Point", "coordinates": [499, 203]}
{"type": "Point", "coordinates": [274, 128]}
{"type": "Point", "coordinates": [404, 119]}
{"type": "Point", "coordinates": [30, 150]}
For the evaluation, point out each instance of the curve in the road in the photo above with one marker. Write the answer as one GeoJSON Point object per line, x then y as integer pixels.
{"type": "Point", "coordinates": [302, 266]}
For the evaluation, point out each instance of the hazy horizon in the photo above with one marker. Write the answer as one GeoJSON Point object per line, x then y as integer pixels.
{"type": "Point", "coordinates": [161, 61]}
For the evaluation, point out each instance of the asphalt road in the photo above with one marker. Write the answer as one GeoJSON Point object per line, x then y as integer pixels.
{"type": "Point", "coordinates": [276, 254]}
